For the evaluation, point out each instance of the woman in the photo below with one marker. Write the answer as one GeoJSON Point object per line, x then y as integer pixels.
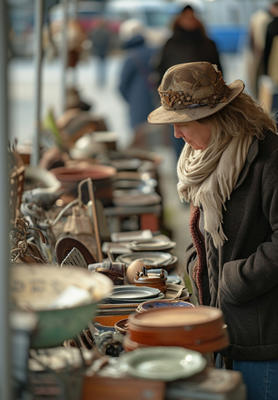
{"type": "Point", "coordinates": [228, 172]}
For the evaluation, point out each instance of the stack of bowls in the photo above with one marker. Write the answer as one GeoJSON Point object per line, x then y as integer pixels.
{"type": "Point", "coordinates": [198, 328]}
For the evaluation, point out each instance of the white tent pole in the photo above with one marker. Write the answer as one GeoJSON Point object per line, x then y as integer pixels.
{"type": "Point", "coordinates": [64, 53]}
{"type": "Point", "coordinates": [38, 81]}
{"type": "Point", "coordinates": [5, 344]}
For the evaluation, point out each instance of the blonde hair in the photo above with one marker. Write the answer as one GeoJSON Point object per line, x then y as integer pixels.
{"type": "Point", "coordinates": [243, 116]}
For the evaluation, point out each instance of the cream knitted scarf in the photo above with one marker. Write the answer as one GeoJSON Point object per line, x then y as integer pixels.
{"type": "Point", "coordinates": [207, 178]}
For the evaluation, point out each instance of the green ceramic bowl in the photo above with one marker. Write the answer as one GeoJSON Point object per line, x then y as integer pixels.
{"type": "Point", "coordinates": [64, 299]}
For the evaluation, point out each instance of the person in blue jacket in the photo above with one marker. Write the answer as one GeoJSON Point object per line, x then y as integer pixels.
{"type": "Point", "coordinates": [135, 83]}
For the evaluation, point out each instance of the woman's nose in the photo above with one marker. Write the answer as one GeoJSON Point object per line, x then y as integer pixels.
{"type": "Point", "coordinates": [177, 132]}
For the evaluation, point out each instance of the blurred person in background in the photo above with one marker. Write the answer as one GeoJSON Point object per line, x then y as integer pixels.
{"type": "Point", "coordinates": [188, 43]}
{"type": "Point", "coordinates": [135, 82]}
{"type": "Point", "coordinates": [257, 35]}
{"type": "Point", "coordinates": [270, 55]}
{"type": "Point", "coordinates": [101, 38]}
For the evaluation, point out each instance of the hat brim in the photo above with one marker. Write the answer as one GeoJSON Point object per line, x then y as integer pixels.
{"type": "Point", "coordinates": [163, 116]}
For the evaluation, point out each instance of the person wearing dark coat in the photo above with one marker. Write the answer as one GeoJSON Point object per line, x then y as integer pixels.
{"type": "Point", "coordinates": [188, 43]}
{"type": "Point", "coordinates": [135, 83]}
{"type": "Point", "coordinates": [228, 174]}
{"type": "Point", "coordinates": [271, 32]}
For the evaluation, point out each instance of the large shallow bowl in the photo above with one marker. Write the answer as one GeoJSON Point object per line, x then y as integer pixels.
{"type": "Point", "coordinates": [198, 328]}
{"type": "Point", "coordinates": [43, 288]}
{"type": "Point", "coordinates": [162, 363]}
{"type": "Point", "coordinates": [101, 175]}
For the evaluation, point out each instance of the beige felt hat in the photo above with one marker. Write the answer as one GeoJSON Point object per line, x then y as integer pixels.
{"type": "Point", "coordinates": [192, 91]}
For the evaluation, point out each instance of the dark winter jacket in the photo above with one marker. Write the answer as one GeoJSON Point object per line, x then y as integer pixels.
{"type": "Point", "coordinates": [242, 278]}
{"type": "Point", "coordinates": [271, 32]}
{"type": "Point", "coordinates": [187, 46]}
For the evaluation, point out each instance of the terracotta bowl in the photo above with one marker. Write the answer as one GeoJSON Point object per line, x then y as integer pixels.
{"type": "Point", "coordinates": [75, 174]}
{"type": "Point", "coordinates": [101, 175]}
{"type": "Point", "coordinates": [198, 328]}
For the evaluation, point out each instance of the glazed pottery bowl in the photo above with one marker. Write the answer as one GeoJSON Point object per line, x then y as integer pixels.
{"type": "Point", "coordinates": [164, 303]}
{"type": "Point", "coordinates": [64, 299]}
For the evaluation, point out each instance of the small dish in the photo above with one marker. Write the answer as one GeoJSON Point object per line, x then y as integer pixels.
{"type": "Point", "coordinates": [151, 245]}
{"type": "Point", "coordinates": [162, 363]}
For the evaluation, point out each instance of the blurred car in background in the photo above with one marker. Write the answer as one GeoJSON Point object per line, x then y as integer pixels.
{"type": "Point", "coordinates": [20, 27]}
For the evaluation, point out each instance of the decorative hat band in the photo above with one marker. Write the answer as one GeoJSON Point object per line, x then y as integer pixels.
{"type": "Point", "coordinates": [179, 100]}
{"type": "Point", "coordinates": [195, 94]}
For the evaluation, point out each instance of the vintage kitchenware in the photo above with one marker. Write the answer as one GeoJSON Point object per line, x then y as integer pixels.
{"type": "Point", "coordinates": [198, 328]}
{"type": "Point", "coordinates": [131, 235]}
{"type": "Point", "coordinates": [144, 278]}
{"type": "Point", "coordinates": [126, 164]}
{"type": "Point", "coordinates": [23, 326]}
{"type": "Point", "coordinates": [162, 363]}
{"type": "Point", "coordinates": [132, 269]}
{"type": "Point", "coordinates": [107, 138]}
{"type": "Point", "coordinates": [140, 199]}
{"type": "Point", "coordinates": [66, 243]}
{"type": "Point", "coordinates": [74, 258]}
{"type": "Point", "coordinates": [37, 177]}
{"type": "Point", "coordinates": [93, 144]}
{"type": "Point", "coordinates": [64, 299]}
{"type": "Point", "coordinates": [121, 326]}
{"type": "Point", "coordinates": [101, 175]}
{"type": "Point", "coordinates": [152, 245]}
{"type": "Point", "coordinates": [164, 303]}
{"type": "Point", "coordinates": [174, 279]}
{"type": "Point", "coordinates": [132, 294]}
{"type": "Point", "coordinates": [114, 270]}
{"type": "Point", "coordinates": [151, 259]}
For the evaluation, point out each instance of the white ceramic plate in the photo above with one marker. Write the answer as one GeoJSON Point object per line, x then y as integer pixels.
{"type": "Point", "coordinates": [162, 363]}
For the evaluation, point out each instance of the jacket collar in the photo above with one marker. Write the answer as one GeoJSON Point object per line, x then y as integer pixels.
{"type": "Point", "coordinates": [251, 155]}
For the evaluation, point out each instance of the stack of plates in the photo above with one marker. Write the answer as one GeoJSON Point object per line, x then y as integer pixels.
{"type": "Point", "coordinates": [123, 301]}
{"type": "Point", "coordinates": [155, 259]}
{"type": "Point", "coordinates": [133, 294]}
{"type": "Point", "coordinates": [145, 234]}
{"type": "Point", "coordinates": [136, 199]}
{"type": "Point", "coordinates": [150, 259]}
